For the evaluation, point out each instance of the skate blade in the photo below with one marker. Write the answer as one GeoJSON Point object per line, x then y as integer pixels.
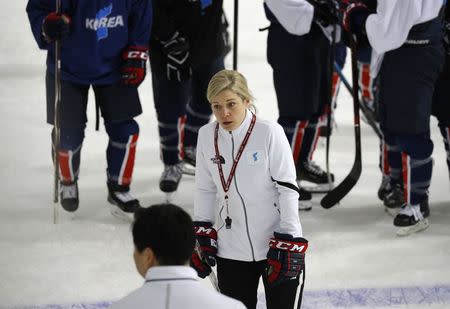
{"type": "Point", "coordinates": [120, 214]}
{"type": "Point", "coordinates": [316, 188]}
{"type": "Point", "coordinates": [304, 205]}
{"type": "Point", "coordinates": [188, 170]}
{"type": "Point", "coordinates": [391, 211]}
{"type": "Point", "coordinates": [408, 230]}
{"type": "Point", "coordinates": [169, 197]}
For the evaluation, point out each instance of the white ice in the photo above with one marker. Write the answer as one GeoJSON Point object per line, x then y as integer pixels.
{"type": "Point", "coordinates": [354, 255]}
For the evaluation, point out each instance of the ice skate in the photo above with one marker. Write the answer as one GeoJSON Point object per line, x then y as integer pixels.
{"type": "Point", "coordinates": [410, 219]}
{"type": "Point", "coordinates": [394, 199]}
{"type": "Point", "coordinates": [123, 204]}
{"type": "Point", "coordinates": [190, 153]}
{"type": "Point", "coordinates": [385, 187]}
{"type": "Point", "coordinates": [310, 173]}
{"type": "Point", "coordinates": [170, 178]}
{"type": "Point", "coordinates": [304, 200]}
{"type": "Point", "coordinates": [69, 196]}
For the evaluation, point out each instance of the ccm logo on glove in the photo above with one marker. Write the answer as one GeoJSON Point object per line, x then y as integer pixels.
{"type": "Point", "coordinates": [288, 246]}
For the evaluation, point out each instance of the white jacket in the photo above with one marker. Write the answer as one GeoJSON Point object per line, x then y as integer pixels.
{"type": "Point", "coordinates": [389, 27]}
{"type": "Point", "coordinates": [257, 205]}
{"type": "Point", "coordinates": [174, 287]}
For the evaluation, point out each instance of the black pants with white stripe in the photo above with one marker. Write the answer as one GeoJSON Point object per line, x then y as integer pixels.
{"type": "Point", "coordinates": [240, 280]}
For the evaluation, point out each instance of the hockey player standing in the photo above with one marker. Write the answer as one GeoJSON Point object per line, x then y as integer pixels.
{"type": "Point", "coordinates": [298, 50]}
{"type": "Point", "coordinates": [187, 47]}
{"type": "Point", "coordinates": [103, 45]}
{"type": "Point", "coordinates": [441, 96]}
{"type": "Point", "coordinates": [163, 242]}
{"type": "Point", "coordinates": [406, 38]}
{"type": "Point", "coordinates": [245, 205]}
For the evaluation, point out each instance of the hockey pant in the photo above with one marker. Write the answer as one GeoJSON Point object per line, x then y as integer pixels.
{"type": "Point", "coordinates": [120, 153]}
{"type": "Point", "coordinates": [182, 109]}
{"type": "Point", "coordinates": [411, 164]}
{"type": "Point", "coordinates": [303, 136]}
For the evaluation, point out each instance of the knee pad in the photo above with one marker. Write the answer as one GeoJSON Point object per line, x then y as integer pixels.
{"type": "Point", "coordinates": [121, 131]}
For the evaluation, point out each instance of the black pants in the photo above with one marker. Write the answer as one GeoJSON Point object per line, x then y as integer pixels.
{"type": "Point", "coordinates": [239, 280]}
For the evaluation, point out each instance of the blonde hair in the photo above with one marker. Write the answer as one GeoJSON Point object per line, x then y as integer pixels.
{"type": "Point", "coordinates": [229, 80]}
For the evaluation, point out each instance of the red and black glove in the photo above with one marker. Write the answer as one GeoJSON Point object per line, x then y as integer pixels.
{"type": "Point", "coordinates": [285, 259]}
{"type": "Point", "coordinates": [355, 14]}
{"type": "Point", "coordinates": [206, 248]}
{"type": "Point", "coordinates": [55, 27]}
{"type": "Point", "coordinates": [134, 65]}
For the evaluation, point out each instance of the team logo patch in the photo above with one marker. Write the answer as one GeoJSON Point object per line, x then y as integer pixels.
{"type": "Point", "coordinates": [102, 22]}
{"type": "Point", "coordinates": [254, 157]}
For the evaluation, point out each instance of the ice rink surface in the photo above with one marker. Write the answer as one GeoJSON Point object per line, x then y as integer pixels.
{"type": "Point", "coordinates": [354, 259]}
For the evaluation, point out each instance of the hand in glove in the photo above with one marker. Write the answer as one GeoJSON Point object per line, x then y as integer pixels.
{"type": "Point", "coordinates": [354, 21]}
{"type": "Point", "coordinates": [285, 259]}
{"type": "Point", "coordinates": [134, 65]}
{"type": "Point", "coordinates": [325, 12]}
{"type": "Point", "coordinates": [56, 27]}
{"type": "Point", "coordinates": [206, 248]}
{"type": "Point", "coordinates": [176, 49]}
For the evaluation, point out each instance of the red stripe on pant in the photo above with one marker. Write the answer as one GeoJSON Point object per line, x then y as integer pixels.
{"type": "Point", "coordinates": [365, 82]}
{"type": "Point", "coordinates": [297, 138]}
{"type": "Point", "coordinates": [406, 172]}
{"type": "Point", "coordinates": [316, 139]}
{"type": "Point", "coordinates": [126, 172]}
{"type": "Point", "coordinates": [180, 126]}
{"type": "Point", "coordinates": [65, 166]}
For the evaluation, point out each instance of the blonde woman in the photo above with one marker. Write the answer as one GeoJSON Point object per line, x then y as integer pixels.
{"type": "Point", "coordinates": [246, 199]}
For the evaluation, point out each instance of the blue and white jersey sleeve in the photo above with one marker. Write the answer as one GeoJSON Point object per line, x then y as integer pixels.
{"type": "Point", "coordinates": [389, 27]}
{"type": "Point", "coordinates": [282, 168]}
{"type": "Point", "coordinates": [294, 15]}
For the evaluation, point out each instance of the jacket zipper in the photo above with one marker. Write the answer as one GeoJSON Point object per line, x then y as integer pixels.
{"type": "Point", "coordinates": [242, 200]}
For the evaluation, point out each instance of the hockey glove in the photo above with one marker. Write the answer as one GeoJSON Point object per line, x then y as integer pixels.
{"type": "Point", "coordinates": [206, 243]}
{"type": "Point", "coordinates": [354, 22]}
{"type": "Point", "coordinates": [285, 259]}
{"type": "Point", "coordinates": [176, 50]}
{"type": "Point", "coordinates": [134, 65]}
{"type": "Point", "coordinates": [55, 27]}
{"type": "Point", "coordinates": [325, 12]}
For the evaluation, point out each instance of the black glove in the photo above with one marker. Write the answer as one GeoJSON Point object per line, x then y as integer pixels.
{"type": "Point", "coordinates": [134, 65]}
{"type": "Point", "coordinates": [354, 22]}
{"type": "Point", "coordinates": [325, 12]}
{"type": "Point", "coordinates": [285, 259]}
{"type": "Point", "coordinates": [55, 27]}
{"type": "Point", "coordinates": [176, 50]}
{"type": "Point", "coordinates": [206, 248]}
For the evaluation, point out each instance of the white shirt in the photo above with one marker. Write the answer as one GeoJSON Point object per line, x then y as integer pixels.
{"type": "Point", "coordinates": [296, 17]}
{"type": "Point", "coordinates": [257, 205]}
{"type": "Point", "coordinates": [174, 287]}
{"type": "Point", "coordinates": [389, 27]}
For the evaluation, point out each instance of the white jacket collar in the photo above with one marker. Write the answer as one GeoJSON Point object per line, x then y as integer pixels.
{"type": "Point", "coordinates": [170, 273]}
{"type": "Point", "coordinates": [242, 128]}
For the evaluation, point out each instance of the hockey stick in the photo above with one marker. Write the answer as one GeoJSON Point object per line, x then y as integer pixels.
{"type": "Point", "coordinates": [235, 33]}
{"type": "Point", "coordinates": [212, 276]}
{"type": "Point", "coordinates": [334, 196]}
{"type": "Point", "coordinates": [56, 127]}
{"type": "Point", "coordinates": [365, 110]}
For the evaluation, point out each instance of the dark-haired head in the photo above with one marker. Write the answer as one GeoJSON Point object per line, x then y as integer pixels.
{"type": "Point", "coordinates": [162, 235]}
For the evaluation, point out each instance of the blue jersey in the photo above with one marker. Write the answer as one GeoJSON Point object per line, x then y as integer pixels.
{"type": "Point", "coordinates": [100, 31]}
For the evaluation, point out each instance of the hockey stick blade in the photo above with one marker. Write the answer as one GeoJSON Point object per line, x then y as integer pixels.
{"type": "Point", "coordinates": [334, 196]}
{"type": "Point", "coordinates": [338, 193]}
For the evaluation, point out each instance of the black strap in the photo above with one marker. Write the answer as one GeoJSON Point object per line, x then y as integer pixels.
{"type": "Point", "coordinates": [97, 117]}
{"type": "Point", "coordinates": [287, 185]}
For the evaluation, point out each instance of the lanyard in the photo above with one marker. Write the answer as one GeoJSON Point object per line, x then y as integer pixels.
{"type": "Point", "coordinates": [226, 185]}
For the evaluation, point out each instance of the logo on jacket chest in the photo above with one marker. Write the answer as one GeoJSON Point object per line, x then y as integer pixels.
{"type": "Point", "coordinates": [216, 160]}
{"type": "Point", "coordinates": [102, 22]}
{"type": "Point", "coordinates": [254, 157]}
